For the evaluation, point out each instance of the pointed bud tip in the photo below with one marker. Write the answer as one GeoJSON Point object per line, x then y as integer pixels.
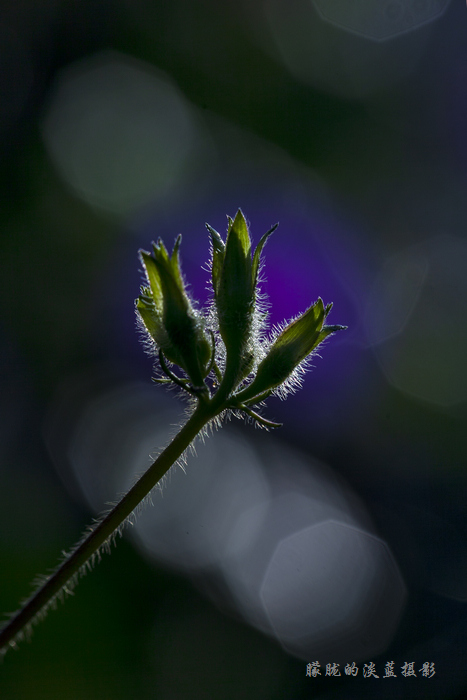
{"type": "Point", "coordinates": [273, 228]}
{"type": "Point", "coordinates": [215, 235]}
{"type": "Point", "coordinates": [176, 247]}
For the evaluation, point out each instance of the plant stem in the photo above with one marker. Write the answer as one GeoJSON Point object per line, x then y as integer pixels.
{"type": "Point", "coordinates": [75, 562]}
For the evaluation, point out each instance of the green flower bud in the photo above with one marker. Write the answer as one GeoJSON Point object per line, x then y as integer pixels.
{"type": "Point", "coordinates": [168, 315]}
{"type": "Point", "coordinates": [296, 341]}
{"type": "Point", "coordinates": [234, 280]}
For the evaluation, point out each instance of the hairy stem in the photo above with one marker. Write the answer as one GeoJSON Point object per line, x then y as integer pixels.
{"type": "Point", "coordinates": [101, 533]}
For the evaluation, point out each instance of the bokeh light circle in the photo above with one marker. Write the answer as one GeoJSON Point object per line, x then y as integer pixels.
{"type": "Point", "coordinates": [119, 131]}
{"type": "Point", "coordinates": [414, 320]}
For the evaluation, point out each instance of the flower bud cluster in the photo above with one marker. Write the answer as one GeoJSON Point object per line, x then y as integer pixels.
{"type": "Point", "coordinates": [180, 333]}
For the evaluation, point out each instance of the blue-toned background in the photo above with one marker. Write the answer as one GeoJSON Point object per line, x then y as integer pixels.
{"type": "Point", "coordinates": [339, 538]}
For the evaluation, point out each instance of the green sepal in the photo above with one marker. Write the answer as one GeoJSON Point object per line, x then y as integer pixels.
{"type": "Point", "coordinates": [218, 252]}
{"type": "Point", "coordinates": [168, 315]}
{"type": "Point", "coordinates": [257, 255]}
{"type": "Point", "coordinates": [235, 298]}
{"type": "Point", "coordinates": [298, 340]}
{"type": "Point", "coordinates": [153, 277]}
{"type": "Point", "coordinates": [151, 319]}
{"type": "Point", "coordinates": [234, 281]}
{"type": "Point", "coordinates": [234, 295]}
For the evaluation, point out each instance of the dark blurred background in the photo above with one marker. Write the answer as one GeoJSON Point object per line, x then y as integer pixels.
{"type": "Point", "coordinates": [339, 538]}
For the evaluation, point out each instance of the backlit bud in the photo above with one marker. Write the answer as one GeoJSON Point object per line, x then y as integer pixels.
{"type": "Point", "coordinates": [234, 280]}
{"type": "Point", "coordinates": [168, 315]}
{"type": "Point", "coordinates": [298, 340]}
